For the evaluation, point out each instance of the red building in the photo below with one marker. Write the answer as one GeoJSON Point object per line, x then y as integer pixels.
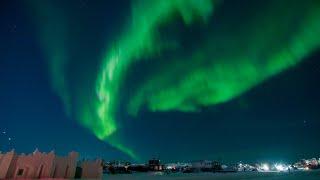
{"type": "Point", "coordinates": [44, 165]}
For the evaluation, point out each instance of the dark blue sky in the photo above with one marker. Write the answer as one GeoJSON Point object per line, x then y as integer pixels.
{"type": "Point", "coordinates": [277, 120]}
{"type": "Point", "coordinates": [32, 115]}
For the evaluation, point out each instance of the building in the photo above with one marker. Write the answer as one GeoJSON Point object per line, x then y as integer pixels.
{"type": "Point", "coordinates": [37, 165]}
{"type": "Point", "coordinates": [91, 169]}
{"type": "Point", "coordinates": [43, 165]}
{"type": "Point", "coordinates": [205, 165]}
{"type": "Point", "coordinates": [177, 167]}
{"type": "Point", "coordinates": [155, 165]}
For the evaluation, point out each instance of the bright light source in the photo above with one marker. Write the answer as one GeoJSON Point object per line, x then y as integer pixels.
{"type": "Point", "coordinates": [170, 167]}
{"type": "Point", "coordinates": [281, 167]}
{"type": "Point", "coordinates": [265, 167]}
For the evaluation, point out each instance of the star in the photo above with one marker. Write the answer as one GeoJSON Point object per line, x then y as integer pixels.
{"type": "Point", "coordinates": [305, 123]}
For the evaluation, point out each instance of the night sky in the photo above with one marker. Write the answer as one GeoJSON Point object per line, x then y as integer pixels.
{"type": "Point", "coordinates": [179, 80]}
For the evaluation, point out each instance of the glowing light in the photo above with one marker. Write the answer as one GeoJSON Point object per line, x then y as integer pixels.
{"type": "Point", "coordinates": [170, 167]}
{"type": "Point", "coordinates": [281, 167]}
{"type": "Point", "coordinates": [226, 64]}
{"type": "Point", "coordinates": [137, 42]}
{"type": "Point", "coordinates": [210, 77]}
{"type": "Point", "coordinates": [265, 167]}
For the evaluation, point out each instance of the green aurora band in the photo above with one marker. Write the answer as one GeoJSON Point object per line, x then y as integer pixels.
{"type": "Point", "coordinates": [266, 46]}
{"type": "Point", "coordinates": [233, 58]}
{"type": "Point", "coordinates": [139, 41]}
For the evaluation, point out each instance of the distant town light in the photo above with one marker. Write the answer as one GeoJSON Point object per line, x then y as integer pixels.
{"type": "Point", "coordinates": [169, 167]}
{"type": "Point", "coordinates": [265, 167]}
{"type": "Point", "coordinates": [281, 167]}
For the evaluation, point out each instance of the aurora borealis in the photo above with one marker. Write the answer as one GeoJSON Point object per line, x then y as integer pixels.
{"type": "Point", "coordinates": [109, 68]}
{"type": "Point", "coordinates": [137, 43]}
{"type": "Point", "coordinates": [214, 80]}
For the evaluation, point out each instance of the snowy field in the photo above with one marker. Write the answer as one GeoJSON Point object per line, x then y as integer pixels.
{"type": "Point", "coordinates": [314, 175]}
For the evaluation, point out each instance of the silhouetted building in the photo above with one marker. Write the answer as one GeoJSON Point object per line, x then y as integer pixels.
{"type": "Point", "coordinates": [155, 165]}
{"type": "Point", "coordinates": [37, 165]}
{"type": "Point", "coordinates": [45, 165]}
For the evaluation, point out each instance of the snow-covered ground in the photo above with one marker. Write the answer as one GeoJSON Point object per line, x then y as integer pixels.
{"type": "Point", "coordinates": [314, 175]}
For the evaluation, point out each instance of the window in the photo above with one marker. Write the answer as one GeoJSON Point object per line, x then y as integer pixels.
{"type": "Point", "coordinates": [20, 172]}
